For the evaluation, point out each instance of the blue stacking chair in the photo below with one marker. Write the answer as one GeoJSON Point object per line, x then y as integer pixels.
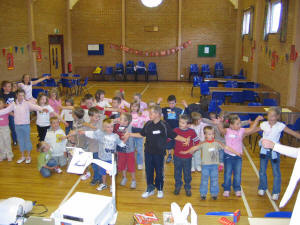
{"type": "Point", "coordinates": [109, 71]}
{"type": "Point", "coordinates": [228, 77]}
{"type": "Point", "coordinates": [50, 83]}
{"type": "Point", "coordinates": [214, 106]}
{"type": "Point", "coordinates": [294, 127]}
{"type": "Point", "coordinates": [197, 80]}
{"type": "Point", "coordinates": [64, 75]}
{"type": "Point", "coordinates": [205, 69]}
{"type": "Point", "coordinates": [219, 69]}
{"type": "Point", "coordinates": [40, 84]}
{"type": "Point", "coordinates": [209, 76]}
{"type": "Point", "coordinates": [141, 69]}
{"type": "Point", "coordinates": [68, 85]}
{"type": "Point", "coordinates": [237, 97]}
{"type": "Point", "coordinates": [119, 70]}
{"type": "Point", "coordinates": [35, 92]}
{"type": "Point", "coordinates": [250, 96]}
{"type": "Point", "coordinates": [218, 96]}
{"type": "Point", "coordinates": [129, 70]}
{"type": "Point", "coordinates": [194, 71]}
{"type": "Point", "coordinates": [152, 70]}
{"type": "Point", "coordinates": [231, 84]}
{"type": "Point", "coordinates": [269, 102]}
{"type": "Point", "coordinates": [204, 89]}
{"type": "Point", "coordinates": [281, 214]}
{"type": "Point", "coordinates": [213, 83]}
{"type": "Point", "coordinates": [83, 86]}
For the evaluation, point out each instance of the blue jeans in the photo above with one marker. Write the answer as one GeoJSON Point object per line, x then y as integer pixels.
{"type": "Point", "coordinates": [46, 172]}
{"type": "Point", "coordinates": [182, 165]}
{"type": "Point", "coordinates": [70, 127]}
{"type": "Point", "coordinates": [12, 128]}
{"type": "Point", "coordinates": [155, 163]}
{"type": "Point", "coordinates": [232, 165]}
{"type": "Point", "coordinates": [221, 156]}
{"type": "Point", "coordinates": [209, 171]}
{"type": "Point", "coordinates": [138, 144]}
{"type": "Point", "coordinates": [263, 181]}
{"type": "Point", "coordinates": [96, 168]}
{"type": "Point", "coordinates": [23, 136]}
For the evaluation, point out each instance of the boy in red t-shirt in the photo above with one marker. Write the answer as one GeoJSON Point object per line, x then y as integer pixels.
{"type": "Point", "coordinates": [183, 162]}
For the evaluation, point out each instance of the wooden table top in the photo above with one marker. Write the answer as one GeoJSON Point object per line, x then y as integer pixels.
{"type": "Point", "coordinates": [253, 109]}
{"type": "Point", "coordinates": [127, 218]}
{"type": "Point", "coordinates": [257, 90]}
{"type": "Point", "coordinates": [224, 80]}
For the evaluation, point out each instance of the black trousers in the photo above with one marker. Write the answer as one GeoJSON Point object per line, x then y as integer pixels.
{"type": "Point", "coordinates": [154, 163]}
{"type": "Point", "coordinates": [42, 132]}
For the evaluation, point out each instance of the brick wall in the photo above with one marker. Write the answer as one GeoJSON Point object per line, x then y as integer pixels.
{"type": "Point", "coordinates": [278, 78]}
{"type": "Point", "coordinates": [100, 22]}
{"type": "Point", "coordinates": [14, 32]}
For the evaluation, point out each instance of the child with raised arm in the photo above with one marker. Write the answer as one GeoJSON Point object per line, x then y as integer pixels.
{"type": "Point", "coordinates": [46, 164]}
{"type": "Point", "coordinates": [156, 132]}
{"type": "Point", "coordinates": [138, 98]}
{"type": "Point", "coordinates": [272, 129]}
{"type": "Point", "coordinates": [101, 101]}
{"type": "Point", "coordinates": [183, 162]}
{"type": "Point", "coordinates": [108, 142]}
{"type": "Point", "coordinates": [5, 140]}
{"type": "Point", "coordinates": [54, 100]}
{"type": "Point", "coordinates": [26, 85]}
{"type": "Point", "coordinates": [56, 138]}
{"type": "Point", "coordinates": [67, 115]}
{"type": "Point", "coordinates": [209, 150]}
{"type": "Point", "coordinates": [21, 109]}
{"type": "Point", "coordinates": [171, 116]}
{"type": "Point", "coordinates": [234, 136]}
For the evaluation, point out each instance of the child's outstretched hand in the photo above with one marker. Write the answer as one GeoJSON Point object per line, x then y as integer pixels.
{"type": "Point", "coordinates": [45, 110]}
{"type": "Point", "coordinates": [159, 100]}
{"type": "Point", "coordinates": [184, 103]}
{"type": "Point", "coordinates": [260, 118]}
{"type": "Point", "coordinates": [184, 152]}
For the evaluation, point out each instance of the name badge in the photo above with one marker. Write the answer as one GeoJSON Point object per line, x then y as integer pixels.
{"type": "Point", "coordinates": [232, 135]}
{"type": "Point", "coordinates": [211, 149]}
{"type": "Point", "coordinates": [156, 132]}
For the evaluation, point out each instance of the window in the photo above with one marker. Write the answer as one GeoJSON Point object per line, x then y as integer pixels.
{"type": "Point", "coordinates": [246, 22]}
{"type": "Point", "coordinates": [151, 3]}
{"type": "Point", "coordinates": [274, 14]}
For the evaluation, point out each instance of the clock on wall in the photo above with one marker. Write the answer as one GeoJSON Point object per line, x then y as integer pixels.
{"type": "Point", "coordinates": [151, 3]}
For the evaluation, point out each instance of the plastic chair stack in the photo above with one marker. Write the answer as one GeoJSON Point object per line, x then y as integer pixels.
{"type": "Point", "coordinates": [269, 102]}
{"type": "Point", "coordinates": [109, 71]}
{"type": "Point", "coordinates": [119, 70]}
{"type": "Point", "coordinates": [129, 70]}
{"type": "Point", "coordinates": [194, 71]}
{"type": "Point", "coordinates": [141, 70]}
{"type": "Point", "coordinates": [197, 80]}
{"type": "Point", "coordinates": [152, 70]}
{"type": "Point", "coordinates": [205, 69]}
{"type": "Point", "coordinates": [219, 69]}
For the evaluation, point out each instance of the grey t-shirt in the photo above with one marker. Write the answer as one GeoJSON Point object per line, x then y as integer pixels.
{"type": "Point", "coordinates": [210, 153]}
{"type": "Point", "coordinates": [107, 143]}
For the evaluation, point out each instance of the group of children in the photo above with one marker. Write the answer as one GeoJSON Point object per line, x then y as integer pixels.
{"type": "Point", "coordinates": [107, 126]}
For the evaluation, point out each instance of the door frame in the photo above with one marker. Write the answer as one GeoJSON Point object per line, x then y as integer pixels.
{"type": "Point", "coordinates": [57, 39]}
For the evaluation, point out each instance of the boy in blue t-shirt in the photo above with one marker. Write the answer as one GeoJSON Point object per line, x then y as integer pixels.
{"type": "Point", "coordinates": [171, 116]}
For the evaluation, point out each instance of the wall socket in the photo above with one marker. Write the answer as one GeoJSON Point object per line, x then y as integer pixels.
{"type": "Point", "coordinates": [181, 75]}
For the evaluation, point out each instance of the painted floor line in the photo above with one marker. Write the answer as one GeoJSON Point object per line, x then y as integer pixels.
{"type": "Point", "coordinates": [70, 192]}
{"type": "Point", "coordinates": [145, 89]}
{"type": "Point", "coordinates": [246, 203]}
{"type": "Point", "coordinates": [257, 174]}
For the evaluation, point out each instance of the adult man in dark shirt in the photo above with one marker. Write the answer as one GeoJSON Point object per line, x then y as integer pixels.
{"type": "Point", "coordinates": [156, 132]}
{"type": "Point", "coordinates": [9, 97]}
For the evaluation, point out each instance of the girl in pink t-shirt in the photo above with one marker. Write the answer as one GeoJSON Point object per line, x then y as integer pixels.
{"type": "Point", "coordinates": [5, 140]}
{"type": "Point", "coordinates": [138, 121]}
{"type": "Point", "coordinates": [54, 100]}
{"type": "Point", "coordinates": [234, 136]}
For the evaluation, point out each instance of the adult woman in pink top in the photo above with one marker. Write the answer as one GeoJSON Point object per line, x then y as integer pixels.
{"type": "Point", "coordinates": [5, 140]}
{"type": "Point", "coordinates": [234, 135]}
{"type": "Point", "coordinates": [54, 100]}
{"type": "Point", "coordinates": [21, 109]}
{"type": "Point", "coordinates": [26, 85]}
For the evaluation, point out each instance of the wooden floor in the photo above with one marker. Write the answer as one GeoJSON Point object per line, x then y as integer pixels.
{"type": "Point", "coordinates": [24, 181]}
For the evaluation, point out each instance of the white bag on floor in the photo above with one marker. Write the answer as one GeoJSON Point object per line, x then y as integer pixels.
{"type": "Point", "coordinates": [181, 217]}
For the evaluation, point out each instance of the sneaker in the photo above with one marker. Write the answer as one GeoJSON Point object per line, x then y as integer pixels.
{"type": "Point", "coordinates": [124, 181]}
{"type": "Point", "coordinates": [221, 167]}
{"type": "Point", "coordinates": [140, 166]}
{"type": "Point", "coordinates": [15, 143]}
{"type": "Point", "coordinates": [9, 159]}
{"type": "Point", "coordinates": [21, 160]}
{"type": "Point", "coordinates": [169, 159]}
{"type": "Point", "coordinates": [94, 182]}
{"type": "Point", "coordinates": [203, 197]}
{"type": "Point", "coordinates": [28, 160]}
{"type": "Point", "coordinates": [147, 194]}
{"type": "Point", "coordinates": [160, 194]}
{"type": "Point", "coordinates": [192, 169]}
{"type": "Point", "coordinates": [198, 168]}
{"type": "Point", "coordinates": [261, 192]}
{"type": "Point", "coordinates": [188, 193]}
{"type": "Point", "coordinates": [133, 184]}
{"type": "Point", "coordinates": [58, 170]}
{"type": "Point", "coordinates": [176, 191]}
{"type": "Point", "coordinates": [275, 197]}
{"type": "Point", "coordinates": [214, 197]}
{"type": "Point", "coordinates": [238, 193]}
{"type": "Point", "coordinates": [85, 176]}
{"type": "Point", "coordinates": [226, 193]}
{"type": "Point", "coordinates": [101, 187]}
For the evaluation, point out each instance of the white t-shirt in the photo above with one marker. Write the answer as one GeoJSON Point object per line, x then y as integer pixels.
{"type": "Point", "coordinates": [104, 104]}
{"type": "Point", "coordinates": [27, 89]}
{"type": "Point", "coordinates": [272, 133]}
{"type": "Point", "coordinates": [53, 138]}
{"type": "Point", "coordinates": [67, 114]}
{"type": "Point", "coordinates": [43, 118]}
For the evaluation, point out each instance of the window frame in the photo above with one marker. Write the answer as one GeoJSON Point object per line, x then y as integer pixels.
{"type": "Point", "coordinates": [270, 17]}
{"type": "Point", "coordinates": [247, 13]}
